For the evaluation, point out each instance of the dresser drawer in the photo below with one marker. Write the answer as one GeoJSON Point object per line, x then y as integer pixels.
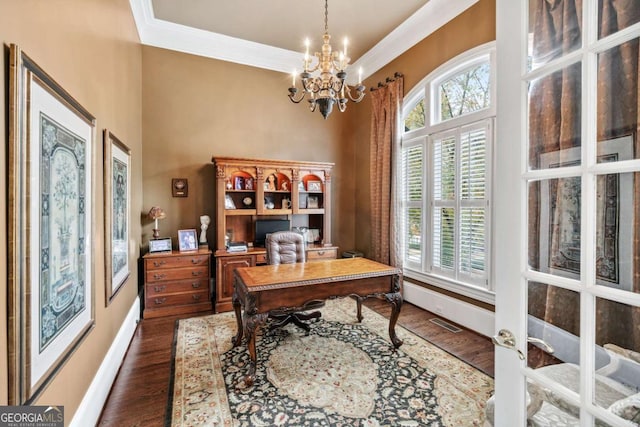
{"type": "Point", "coordinates": [160, 275]}
{"type": "Point", "coordinates": [176, 261]}
{"type": "Point", "coordinates": [261, 259]}
{"type": "Point", "coordinates": [162, 301]}
{"type": "Point", "coordinates": [161, 288]}
{"type": "Point", "coordinates": [321, 254]}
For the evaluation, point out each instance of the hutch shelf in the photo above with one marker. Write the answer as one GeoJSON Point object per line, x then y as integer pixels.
{"type": "Point", "coordinates": [250, 192]}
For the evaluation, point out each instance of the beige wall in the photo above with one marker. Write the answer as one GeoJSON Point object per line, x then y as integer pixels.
{"type": "Point", "coordinates": [472, 28]}
{"type": "Point", "coordinates": [91, 48]}
{"type": "Point", "coordinates": [195, 108]}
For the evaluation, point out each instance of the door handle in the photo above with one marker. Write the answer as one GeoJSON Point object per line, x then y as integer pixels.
{"type": "Point", "coordinates": [547, 347]}
{"type": "Point", "coordinates": [506, 339]}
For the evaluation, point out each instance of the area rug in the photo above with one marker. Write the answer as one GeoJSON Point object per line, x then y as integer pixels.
{"type": "Point", "coordinates": [344, 373]}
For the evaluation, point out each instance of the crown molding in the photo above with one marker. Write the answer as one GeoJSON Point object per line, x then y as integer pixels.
{"type": "Point", "coordinates": [181, 38]}
{"type": "Point", "coordinates": [417, 27]}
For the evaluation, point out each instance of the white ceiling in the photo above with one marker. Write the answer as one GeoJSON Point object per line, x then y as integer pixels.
{"type": "Point", "coordinates": [270, 33]}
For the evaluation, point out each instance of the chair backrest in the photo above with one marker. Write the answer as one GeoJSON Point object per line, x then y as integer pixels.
{"type": "Point", "coordinates": [285, 247]}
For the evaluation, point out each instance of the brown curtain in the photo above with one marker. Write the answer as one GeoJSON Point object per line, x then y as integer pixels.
{"type": "Point", "coordinates": [555, 120]}
{"type": "Point", "coordinates": [386, 102]}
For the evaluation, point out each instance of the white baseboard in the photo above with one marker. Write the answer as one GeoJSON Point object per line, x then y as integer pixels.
{"type": "Point", "coordinates": [88, 412]}
{"type": "Point", "coordinates": [470, 316]}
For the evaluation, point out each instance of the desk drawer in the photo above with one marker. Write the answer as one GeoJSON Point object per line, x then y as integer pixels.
{"type": "Point", "coordinates": [177, 274]}
{"type": "Point", "coordinates": [321, 254]}
{"type": "Point", "coordinates": [176, 261]}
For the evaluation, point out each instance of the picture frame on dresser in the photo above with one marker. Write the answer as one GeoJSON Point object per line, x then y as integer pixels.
{"type": "Point", "coordinates": [160, 245]}
{"type": "Point", "coordinates": [51, 162]}
{"type": "Point", "coordinates": [117, 196]}
{"type": "Point", "coordinates": [187, 240]}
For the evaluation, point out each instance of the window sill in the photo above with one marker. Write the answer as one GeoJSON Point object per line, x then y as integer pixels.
{"type": "Point", "coordinates": [470, 291]}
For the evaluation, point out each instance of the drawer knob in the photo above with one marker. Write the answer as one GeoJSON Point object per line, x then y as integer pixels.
{"type": "Point", "coordinates": [159, 301]}
{"type": "Point", "coordinates": [159, 276]}
{"type": "Point", "coordinates": [320, 253]}
{"type": "Point", "coordinates": [159, 263]}
{"type": "Point", "coordinates": [195, 261]}
{"type": "Point", "coordinates": [196, 297]}
{"type": "Point", "coordinates": [159, 288]}
{"type": "Point", "coordinates": [196, 273]}
{"type": "Point", "coordinates": [195, 285]}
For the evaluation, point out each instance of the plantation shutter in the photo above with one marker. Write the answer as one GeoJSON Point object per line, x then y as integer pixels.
{"type": "Point", "coordinates": [412, 221]}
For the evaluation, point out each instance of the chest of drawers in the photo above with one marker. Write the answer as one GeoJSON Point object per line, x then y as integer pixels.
{"type": "Point", "coordinates": [176, 283]}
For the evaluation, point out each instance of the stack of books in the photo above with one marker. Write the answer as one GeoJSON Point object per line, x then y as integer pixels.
{"type": "Point", "coordinates": [237, 247]}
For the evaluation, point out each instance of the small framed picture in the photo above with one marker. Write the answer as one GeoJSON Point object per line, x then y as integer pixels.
{"type": "Point", "coordinates": [312, 202]}
{"type": "Point", "coordinates": [160, 245]}
{"type": "Point", "coordinates": [314, 186]}
{"type": "Point", "coordinates": [187, 240]}
{"type": "Point", "coordinates": [228, 202]}
{"type": "Point", "coordinates": [248, 184]}
{"type": "Point", "coordinates": [239, 183]}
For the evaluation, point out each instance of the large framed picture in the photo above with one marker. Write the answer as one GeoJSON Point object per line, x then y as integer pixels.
{"type": "Point", "coordinates": [51, 222]}
{"type": "Point", "coordinates": [117, 195]}
{"type": "Point", "coordinates": [187, 240]}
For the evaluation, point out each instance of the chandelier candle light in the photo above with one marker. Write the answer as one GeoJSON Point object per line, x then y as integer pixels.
{"type": "Point", "coordinates": [329, 87]}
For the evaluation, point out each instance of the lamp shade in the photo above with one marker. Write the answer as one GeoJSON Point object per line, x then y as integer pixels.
{"type": "Point", "coordinates": [156, 212]}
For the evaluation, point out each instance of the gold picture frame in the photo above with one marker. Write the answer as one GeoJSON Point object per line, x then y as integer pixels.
{"type": "Point", "coordinates": [117, 213]}
{"type": "Point", "coordinates": [51, 222]}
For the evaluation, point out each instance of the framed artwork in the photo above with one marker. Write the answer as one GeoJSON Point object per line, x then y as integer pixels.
{"type": "Point", "coordinates": [312, 202]}
{"type": "Point", "coordinates": [179, 187]}
{"type": "Point", "coordinates": [187, 240]}
{"type": "Point", "coordinates": [117, 195]}
{"type": "Point", "coordinates": [314, 186]}
{"type": "Point", "coordinates": [160, 245]}
{"type": "Point", "coordinates": [51, 222]}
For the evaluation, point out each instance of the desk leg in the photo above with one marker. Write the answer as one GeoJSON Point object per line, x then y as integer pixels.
{"type": "Point", "coordinates": [237, 339]}
{"type": "Point", "coordinates": [395, 299]}
{"type": "Point", "coordinates": [252, 322]}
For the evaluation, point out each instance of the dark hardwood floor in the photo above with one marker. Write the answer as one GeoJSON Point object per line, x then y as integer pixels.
{"type": "Point", "coordinates": [140, 392]}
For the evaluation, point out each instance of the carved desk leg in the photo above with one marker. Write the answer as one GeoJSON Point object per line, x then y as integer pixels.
{"type": "Point", "coordinates": [252, 322]}
{"type": "Point", "coordinates": [395, 299]}
{"type": "Point", "coordinates": [359, 300]}
{"type": "Point", "coordinates": [237, 339]}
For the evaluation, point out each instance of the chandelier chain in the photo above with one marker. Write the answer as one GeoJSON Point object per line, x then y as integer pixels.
{"type": "Point", "coordinates": [326, 16]}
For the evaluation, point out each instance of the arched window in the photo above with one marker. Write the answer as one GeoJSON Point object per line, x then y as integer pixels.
{"type": "Point", "coordinates": [446, 174]}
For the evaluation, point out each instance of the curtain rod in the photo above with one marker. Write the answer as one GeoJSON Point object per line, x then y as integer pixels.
{"type": "Point", "coordinates": [387, 80]}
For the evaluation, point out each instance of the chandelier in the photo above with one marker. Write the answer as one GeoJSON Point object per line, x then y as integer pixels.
{"type": "Point", "coordinates": [328, 87]}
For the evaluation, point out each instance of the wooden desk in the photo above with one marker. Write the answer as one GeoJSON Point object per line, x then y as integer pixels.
{"type": "Point", "coordinates": [292, 287]}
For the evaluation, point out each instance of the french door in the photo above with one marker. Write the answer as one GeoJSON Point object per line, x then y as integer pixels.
{"type": "Point", "coordinates": [567, 212]}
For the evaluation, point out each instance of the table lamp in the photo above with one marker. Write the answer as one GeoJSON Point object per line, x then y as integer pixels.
{"type": "Point", "coordinates": [155, 214]}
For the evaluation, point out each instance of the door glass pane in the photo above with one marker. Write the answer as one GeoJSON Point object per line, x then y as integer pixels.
{"type": "Point", "coordinates": [546, 408]}
{"type": "Point", "coordinates": [554, 317]}
{"type": "Point", "coordinates": [554, 30]}
{"type": "Point", "coordinates": [617, 102]}
{"type": "Point", "coordinates": [614, 16]}
{"type": "Point", "coordinates": [554, 119]}
{"type": "Point", "coordinates": [617, 250]}
{"type": "Point", "coordinates": [617, 356]}
{"type": "Point", "coordinates": [554, 226]}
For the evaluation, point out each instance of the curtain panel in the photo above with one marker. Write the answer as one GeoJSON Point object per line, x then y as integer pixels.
{"type": "Point", "coordinates": [386, 105]}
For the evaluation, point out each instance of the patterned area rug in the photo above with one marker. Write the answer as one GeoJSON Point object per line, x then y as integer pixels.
{"type": "Point", "coordinates": [344, 373]}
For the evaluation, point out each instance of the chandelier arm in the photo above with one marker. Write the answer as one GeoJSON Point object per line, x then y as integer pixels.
{"type": "Point", "coordinates": [292, 95]}
{"type": "Point", "coordinates": [359, 93]}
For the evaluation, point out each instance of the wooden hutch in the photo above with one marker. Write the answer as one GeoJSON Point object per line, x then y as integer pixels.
{"type": "Point", "coordinates": [255, 190]}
